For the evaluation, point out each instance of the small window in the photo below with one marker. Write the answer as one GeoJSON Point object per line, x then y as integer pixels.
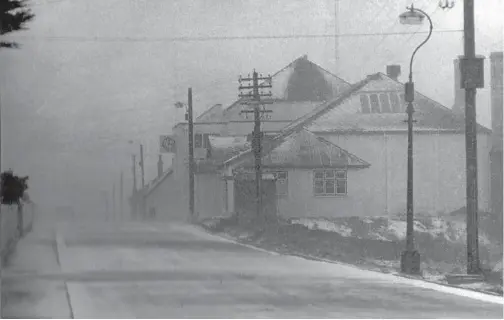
{"type": "Point", "coordinates": [385, 103]}
{"type": "Point", "coordinates": [403, 102]}
{"type": "Point", "coordinates": [396, 104]}
{"type": "Point", "coordinates": [329, 187]}
{"type": "Point", "coordinates": [375, 103]}
{"type": "Point", "coordinates": [330, 182]}
{"type": "Point", "coordinates": [202, 140]}
{"type": "Point", "coordinates": [198, 140]}
{"type": "Point", "coordinates": [318, 187]}
{"type": "Point", "coordinates": [341, 174]}
{"type": "Point", "coordinates": [282, 183]}
{"type": "Point", "coordinates": [342, 189]}
{"type": "Point", "coordinates": [365, 108]}
{"type": "Point", "coordinates": [282, 175]}
{"type": "Point", "coordinates": [206, 141]}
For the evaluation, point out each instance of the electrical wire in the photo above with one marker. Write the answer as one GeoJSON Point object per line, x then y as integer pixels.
{"type": "Point", "coordinates": [211, 38]}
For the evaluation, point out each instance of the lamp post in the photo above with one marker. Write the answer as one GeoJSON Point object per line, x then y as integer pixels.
{"type": "Point", "coordinates": [410, 258]}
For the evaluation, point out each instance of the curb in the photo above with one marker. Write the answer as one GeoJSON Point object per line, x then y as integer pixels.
{"type": "Point", "coordinates": [235, 241]}
{"type": "Point", "coordinates": [60, 247]}
{"type": "Point", "coordinates": [397, 275]}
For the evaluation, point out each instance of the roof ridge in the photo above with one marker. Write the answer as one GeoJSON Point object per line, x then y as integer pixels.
{"type": "Point", "coordinates": [298, 124]}
{"type": "Point", "coordinates": [208, 110]}
{"type": "Point", "coordinates": [437, 103]}
{"type": "Point", "coordinates": [302, 57]}
{"type": "Point", "coordinates": [328, 72]}
{"type": "Point", "coordinates": [276, 73]}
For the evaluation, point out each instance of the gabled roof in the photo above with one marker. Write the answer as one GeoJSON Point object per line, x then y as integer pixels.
{"type": "Point", "coordinates": [213, 113]}
{"type": "Point", "coordinates": [380, 107]}
{"type": "Point", "coordinates": [296, 89]}
{"type": "Point", "coordinates": [304, 149]}
{"type": "Point", "coordinates": [301, 122]}
{"type": "Point", "coordinates": [344, 114]}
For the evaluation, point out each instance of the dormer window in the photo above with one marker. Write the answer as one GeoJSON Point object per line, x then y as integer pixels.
{"type": "Point", "coordinates": [364, 100]}
{"type": "Point", "coordinates": [375, 103]}
{"type": "Point", "coordinates": [384, 102]}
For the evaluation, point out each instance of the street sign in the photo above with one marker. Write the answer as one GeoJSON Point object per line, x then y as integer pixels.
{"type": "Point", "coordinates": [166, 144]}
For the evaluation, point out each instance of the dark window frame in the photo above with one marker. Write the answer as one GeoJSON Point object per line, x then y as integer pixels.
{"type": "Point", "coordinates": [330, 182]}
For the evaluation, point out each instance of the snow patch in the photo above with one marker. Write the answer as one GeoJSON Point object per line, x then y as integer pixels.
{"type": "Point", "coordinates": [397, 228]}
{"type": "Point", "coordinates": [324, 225]}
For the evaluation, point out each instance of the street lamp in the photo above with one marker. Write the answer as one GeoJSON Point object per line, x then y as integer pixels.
{"type": "Point", "coordinates": [410, 258]}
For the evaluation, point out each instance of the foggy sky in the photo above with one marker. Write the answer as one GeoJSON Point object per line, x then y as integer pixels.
{"type": "Point", "coordinates": [70, 106]}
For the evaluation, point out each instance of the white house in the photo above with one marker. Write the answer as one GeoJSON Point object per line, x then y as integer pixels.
{"type": "Point", "coordinates": [368, 122]}
{"type": "Point", "coordinates": [297, 89]}
{"type": "Point", "coordinates": [339, 154]}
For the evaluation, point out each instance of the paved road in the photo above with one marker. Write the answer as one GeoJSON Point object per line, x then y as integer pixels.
{"type": "Point", "coordinates": [179, 271]}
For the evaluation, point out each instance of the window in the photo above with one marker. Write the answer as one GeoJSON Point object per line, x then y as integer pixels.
{"type": "Point", "coordinates": [201, 140]}
{"type": "Point", "coordinates": [329, 182]}
{"type": "Point", "coordinates": [403, 102]}
{"type": "Point", "coordinates": [396, 103]}
{"type": "Point", "coordinates": [364, 100]}
{"type": "Point", "coordinates": [282, 183]}
{"type": "Point", "coordinates": [375, 103]}
{"type": "Point", "coordinates": [385, 103]}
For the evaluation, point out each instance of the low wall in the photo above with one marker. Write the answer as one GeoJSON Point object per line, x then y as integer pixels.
{"type": "Point", "coordinates": [10, 232]}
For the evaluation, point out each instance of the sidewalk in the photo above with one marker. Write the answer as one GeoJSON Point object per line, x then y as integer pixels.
{"type": "Point", "coordinates": [30, 298]}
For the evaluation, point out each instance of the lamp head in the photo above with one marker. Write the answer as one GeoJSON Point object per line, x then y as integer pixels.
{"type": "Point", "coordinates": [411, 17]}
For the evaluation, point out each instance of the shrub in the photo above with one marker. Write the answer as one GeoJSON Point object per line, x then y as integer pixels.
{"type": "Point", "coordinates": [12, 188]}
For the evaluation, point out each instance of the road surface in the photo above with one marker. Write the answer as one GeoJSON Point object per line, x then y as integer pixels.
{"type": "Point", "coordinates": [140, 270]}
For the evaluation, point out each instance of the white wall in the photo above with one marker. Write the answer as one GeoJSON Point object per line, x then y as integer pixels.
{"type": "Point", "coordinates": [439, 170]}
{"type": "Point", "coordinates": [439, 177]}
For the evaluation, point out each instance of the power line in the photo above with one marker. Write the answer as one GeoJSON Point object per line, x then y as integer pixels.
{"type": "Point", "coordinates": [216, 38]}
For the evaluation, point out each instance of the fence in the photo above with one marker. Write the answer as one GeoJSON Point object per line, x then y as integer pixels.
{"type": "Point", "coordinates": [13, 225]}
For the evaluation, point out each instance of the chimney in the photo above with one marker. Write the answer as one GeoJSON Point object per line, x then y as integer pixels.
{"type": "Point", "coordinates": [160, 166]}
{"type": "Point", "coordinates": [394, 71]}
{"type": "Point", "coordinates": [496, 93]}
{"type": "Point", "coordinates": [459, 93]}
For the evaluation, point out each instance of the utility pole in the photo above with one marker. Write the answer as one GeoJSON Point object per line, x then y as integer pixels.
{"type": "Point", "coordinates": [113, 200]}
{"type": "Point", "coordinates": [142, 173]}
{"type": "Point", "coordinates": [189, 118]}
{"type": "Point", "coordinates": [142, 168]}
{"type": "Point", "coordinates": [1, 154]}
{"type": "Point", "coordinates": [134, 193]}
{"type": "Point", "coordinates": [472, 77]}
{"type": "Point", "coordinates": [121, 195]}
{"type": "Point", "coordinates": [254, 98]}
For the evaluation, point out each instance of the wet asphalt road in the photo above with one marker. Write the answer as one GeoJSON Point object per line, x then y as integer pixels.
{"type": "Point", "coordinates": [139, 270]}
